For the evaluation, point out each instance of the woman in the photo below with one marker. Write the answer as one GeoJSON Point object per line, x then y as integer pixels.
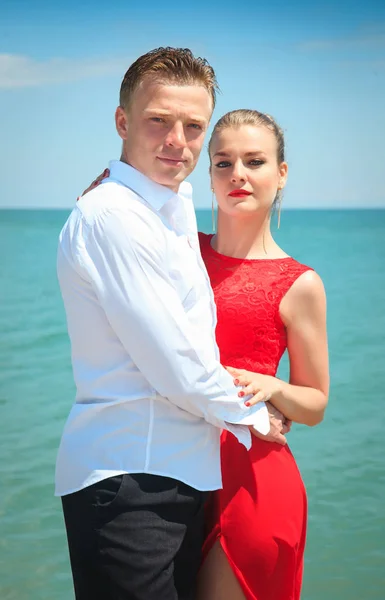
{"type": "Point", "coordinates": [266, 303]}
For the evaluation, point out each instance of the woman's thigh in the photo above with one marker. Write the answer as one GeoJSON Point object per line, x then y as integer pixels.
{"type": "Point", "coordinates": [216, 579]}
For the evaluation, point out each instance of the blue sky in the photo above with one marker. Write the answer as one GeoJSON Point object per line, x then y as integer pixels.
{"type": "Point", "coordinates": [318, 68]}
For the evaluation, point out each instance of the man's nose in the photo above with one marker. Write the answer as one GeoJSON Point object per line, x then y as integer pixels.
{"type": "Point", "coordinates": [176, 136]}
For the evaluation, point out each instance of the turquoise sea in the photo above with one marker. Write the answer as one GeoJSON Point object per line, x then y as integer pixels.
{"type": "Point", "coordinates": [342, 460]}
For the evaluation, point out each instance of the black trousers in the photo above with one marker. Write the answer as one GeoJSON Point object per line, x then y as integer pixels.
{"type": "Point", "coordinates": [135, 537]}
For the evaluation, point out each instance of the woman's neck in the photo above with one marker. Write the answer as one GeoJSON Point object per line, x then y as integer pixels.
{"type": "Point", "coordinates": [246, 237]}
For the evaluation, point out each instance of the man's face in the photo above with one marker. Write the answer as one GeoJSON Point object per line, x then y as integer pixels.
{"type": "Point", "coordinates": [163, 130]}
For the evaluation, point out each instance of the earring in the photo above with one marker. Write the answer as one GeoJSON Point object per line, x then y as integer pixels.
{"type": "Point", "coordinates": [279, 206]}
{"type": "Point", "coordinates": [212, 210]}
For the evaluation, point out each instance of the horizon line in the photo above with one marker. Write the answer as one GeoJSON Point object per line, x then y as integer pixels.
{"type": "Point", "coordinates": [287, 208]}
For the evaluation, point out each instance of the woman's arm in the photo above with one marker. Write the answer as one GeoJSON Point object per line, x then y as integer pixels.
{"type": "Point", "coordinates": [304, 398]}
{"type": "Point", "coordinates": [303, 311]}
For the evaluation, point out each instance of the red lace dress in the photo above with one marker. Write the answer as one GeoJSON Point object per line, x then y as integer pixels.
{"type": "Point", "coordinates": [260, 515]}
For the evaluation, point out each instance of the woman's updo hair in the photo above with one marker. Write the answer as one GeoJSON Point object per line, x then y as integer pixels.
{"type": "Point", "coordinates": [243, 116]}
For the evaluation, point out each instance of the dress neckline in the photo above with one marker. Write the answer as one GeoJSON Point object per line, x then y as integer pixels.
{"type": "Point", "coordinates": [243, 260]}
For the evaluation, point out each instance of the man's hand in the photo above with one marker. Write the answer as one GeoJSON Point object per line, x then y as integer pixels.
{"type": "Point", "coordinates": [279, 426]}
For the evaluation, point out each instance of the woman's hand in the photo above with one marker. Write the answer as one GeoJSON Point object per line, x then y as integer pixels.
{"type": "Point", "coordinates": [96, 182]}
{"type": "Point", "coordinates": [261, 388]}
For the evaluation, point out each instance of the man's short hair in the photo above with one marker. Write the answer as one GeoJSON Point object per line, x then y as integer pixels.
{"type": "Point", "coordinates": [169, 65]}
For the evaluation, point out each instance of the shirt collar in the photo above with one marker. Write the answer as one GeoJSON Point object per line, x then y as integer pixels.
{"type": "Point", "coordinates": [155, 194]}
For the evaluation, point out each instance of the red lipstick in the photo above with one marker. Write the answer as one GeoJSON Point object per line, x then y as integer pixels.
{"type": "Point", "coordinates": [239, 193]}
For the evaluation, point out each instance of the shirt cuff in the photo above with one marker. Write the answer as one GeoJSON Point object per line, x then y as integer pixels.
{"type": "Point", "coordinates": [257, 416]}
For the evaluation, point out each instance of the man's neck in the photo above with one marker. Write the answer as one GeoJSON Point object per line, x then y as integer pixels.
{"type": "Point", "coordinates": [174, 189]}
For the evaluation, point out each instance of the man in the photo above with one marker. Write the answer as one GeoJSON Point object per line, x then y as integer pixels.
{"type": "Point", "coordinates": [140, 449]}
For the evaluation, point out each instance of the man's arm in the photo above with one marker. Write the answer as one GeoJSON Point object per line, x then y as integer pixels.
{"type": "Point", "coordinates": [125, 258]}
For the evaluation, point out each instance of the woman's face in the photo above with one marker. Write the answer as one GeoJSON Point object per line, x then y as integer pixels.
{"type": "Point", "coordinates": [245, 173]}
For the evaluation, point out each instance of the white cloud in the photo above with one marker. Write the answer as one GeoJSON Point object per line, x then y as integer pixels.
{"type": "Point", "coordinates": [373, 66]}
{"type": "Point", "coordinates": [17, 71]}
{"type": "Point", "coordinates": [370, 37]}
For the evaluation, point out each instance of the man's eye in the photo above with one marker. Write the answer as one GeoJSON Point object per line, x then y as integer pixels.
{"type": "Point", "coordinates": [157, 119]}
{"type": "Point", "coordinates": [223, 164]}
{"type": "Point", "coordinates": [196, 126]}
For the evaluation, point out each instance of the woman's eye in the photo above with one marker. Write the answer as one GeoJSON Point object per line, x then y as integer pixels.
{"type": "Point", "coordinates": [257, 162]}
{"type": "Point", "coordinates": [223, 164]}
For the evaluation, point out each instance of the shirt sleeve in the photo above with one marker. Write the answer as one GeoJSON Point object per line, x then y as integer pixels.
{"type": "Point", "coordinates": [125, 256]}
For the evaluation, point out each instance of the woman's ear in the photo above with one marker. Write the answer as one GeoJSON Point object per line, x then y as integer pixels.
{"type": "Point", "coordinates": [211, 180]}
{"type": "Point", "coordinates": [283, 172]}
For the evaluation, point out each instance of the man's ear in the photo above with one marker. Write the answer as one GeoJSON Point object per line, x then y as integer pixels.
{"type": "Point", "coordinates": [121, 123]}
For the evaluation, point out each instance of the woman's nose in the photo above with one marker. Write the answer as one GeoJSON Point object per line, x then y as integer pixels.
{"type": "Point", "coordinates": [238, 175]}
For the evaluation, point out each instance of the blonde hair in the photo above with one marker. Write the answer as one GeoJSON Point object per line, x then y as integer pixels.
{"type": "Point", "coordinates": [169, 65]}
{"type": "Point", "coordinates": [243, 116]}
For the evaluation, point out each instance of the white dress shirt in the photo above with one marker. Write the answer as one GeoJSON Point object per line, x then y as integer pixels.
{"type": "Point", "coordinates": [151, 395]}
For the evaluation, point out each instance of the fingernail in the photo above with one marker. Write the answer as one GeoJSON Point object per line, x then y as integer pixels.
{"type": "Point", "coordinates": [247, 403]}
{"type": "Point", "coordinates": [241, 394]}
{"type": "Point", "coordinates": [236, 381]}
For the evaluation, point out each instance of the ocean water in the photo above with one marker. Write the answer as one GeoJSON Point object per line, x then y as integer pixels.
{"type": "Point", "coordinates": [342, 460]}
